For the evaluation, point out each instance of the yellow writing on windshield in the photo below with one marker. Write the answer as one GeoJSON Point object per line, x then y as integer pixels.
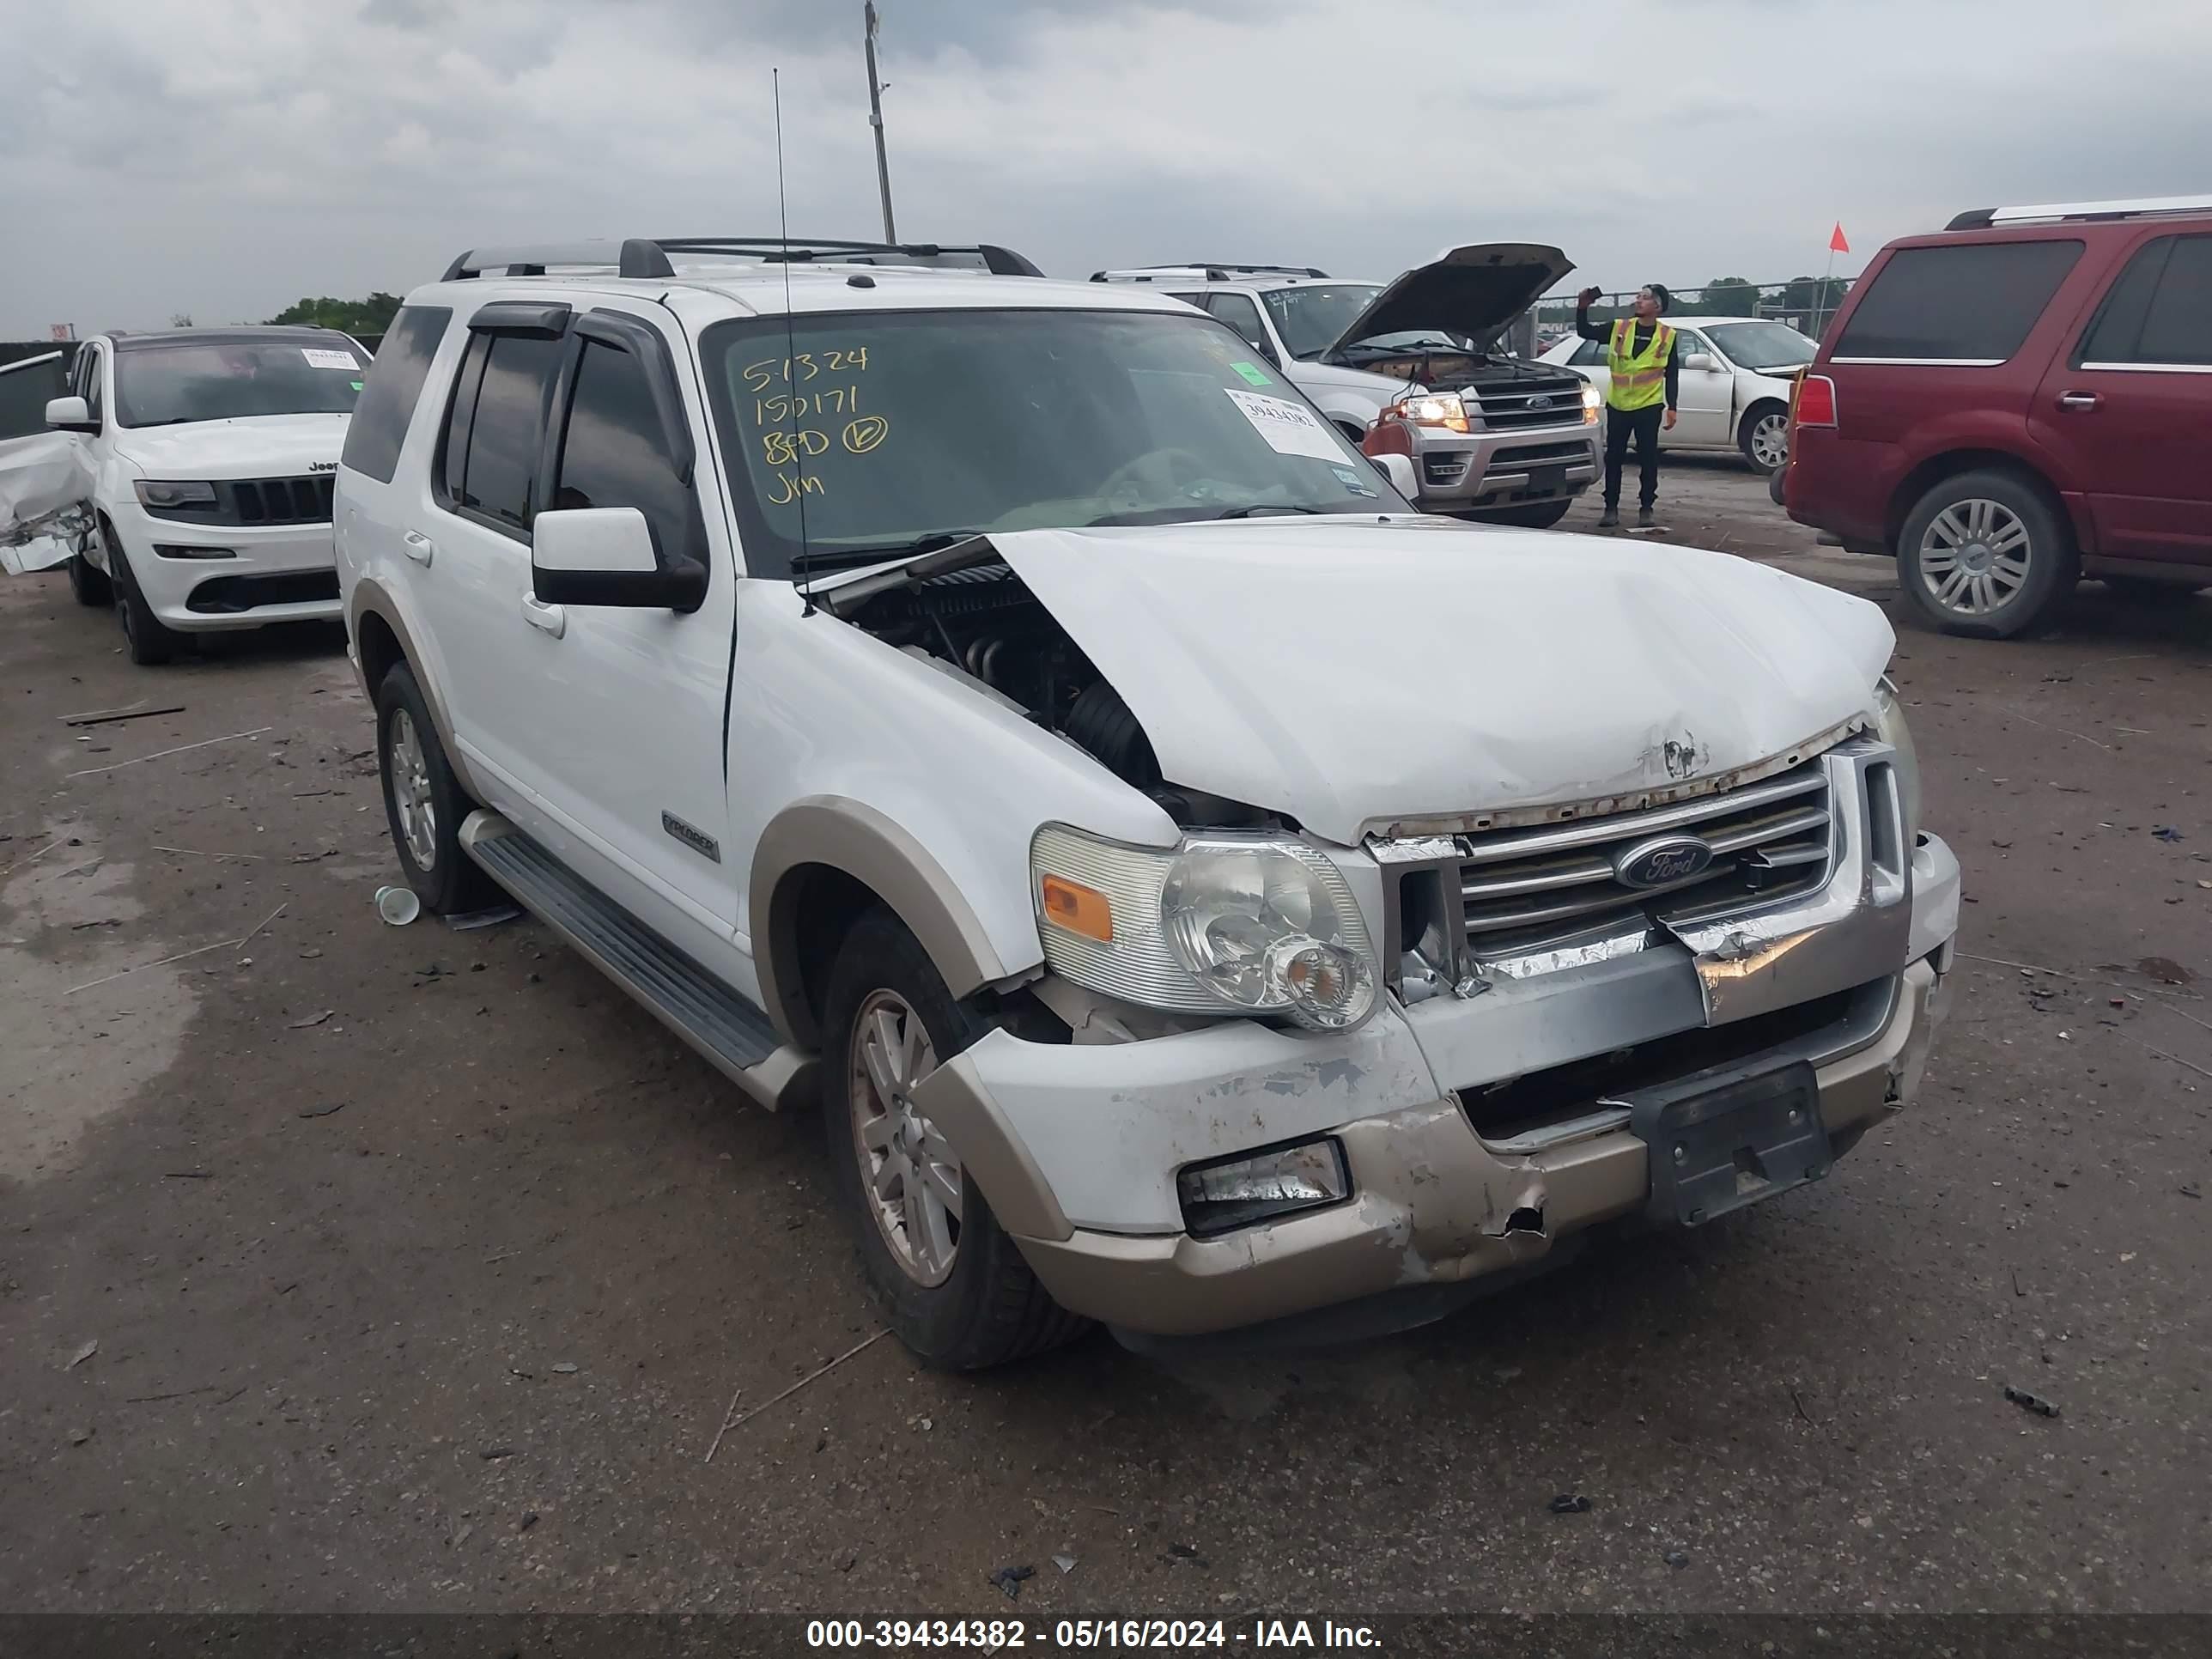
{"type": "Point", "coordinates": [803, 366]}
{"type": "Point", "coordinates": [783, 449]}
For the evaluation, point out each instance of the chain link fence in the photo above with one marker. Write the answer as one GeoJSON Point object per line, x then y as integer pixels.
{"type": "Point", "coordinates": [1808, 304]}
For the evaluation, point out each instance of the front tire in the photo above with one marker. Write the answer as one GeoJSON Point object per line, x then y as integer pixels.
{"type": "Point", "coordinates": [1985, 553]}
{"type": "Point", "coordinates": [423, 801]}
{"type": "Point", "coordinates": [151, 642]}
{"type": "Point", "coordinates": [951, 1283]}
{"type": "Point", "coordinates": [1535, 515]}
{"type": "Point", "coordinates": [1764, 436]}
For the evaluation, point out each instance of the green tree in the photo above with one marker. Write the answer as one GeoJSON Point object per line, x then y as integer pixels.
{"type": "Point", "coordinates": [371, 316]}
{"type": "Point", "coordinates": [1729, 296]}
{"type": "Point", "coordinates": [1812, 299]}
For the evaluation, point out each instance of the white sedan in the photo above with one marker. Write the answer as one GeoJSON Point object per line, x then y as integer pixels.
{"type": "Point", "coordinates": [1736, 377]}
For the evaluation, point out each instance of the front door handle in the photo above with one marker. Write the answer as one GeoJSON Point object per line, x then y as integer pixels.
{"type": "Point", "coordinates": [2078, 400]}
{"type": "Point", "coordinates": [539, 614]}
{"type": "Point", "coordinates": [418, 546]}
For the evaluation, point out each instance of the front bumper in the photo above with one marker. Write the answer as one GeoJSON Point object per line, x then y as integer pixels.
{"type": "Point", "coordinates": [1077, 1145]}
{"type": "Point", "coordinates": [278, 572]}
{"type": "Point", "coordinates": [1478, 471]}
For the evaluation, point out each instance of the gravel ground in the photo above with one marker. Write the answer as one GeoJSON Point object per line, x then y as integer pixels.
{"type": "Point", "coordinates": [423, 1268]}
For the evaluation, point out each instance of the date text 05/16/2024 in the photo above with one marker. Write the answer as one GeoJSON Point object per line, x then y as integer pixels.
{"type": "Point", "coordinates": [992, 1636]}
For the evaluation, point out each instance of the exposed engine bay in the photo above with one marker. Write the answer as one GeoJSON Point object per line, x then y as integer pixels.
{"type": "Point", "coordinates": [969, 615]}
{"type": "Point", "coordinates": [1453, 371]}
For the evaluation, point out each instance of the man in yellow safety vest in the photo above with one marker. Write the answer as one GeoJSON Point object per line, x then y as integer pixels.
{"type": "Point", "coordinates": [1640, 399]}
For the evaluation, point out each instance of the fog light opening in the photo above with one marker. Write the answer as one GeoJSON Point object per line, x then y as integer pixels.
{"type": "Point", "coordinates": [1263, 1186]}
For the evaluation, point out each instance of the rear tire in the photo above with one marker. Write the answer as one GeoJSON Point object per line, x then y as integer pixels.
{"type": "Point", "coordinates": [1985, 553]}
{"type": "Point", "coordinates": [1536, 515]}
{"type": "Point", "coordinates": [88, 583]}
{"type": "Point", "coordinates": [950, 1281]}
{"type": "Point", "coordinates": [1763, 435]}
{"type": "Point", "coordinates": [151, 642]}
{"type": "Point", "coordinates": [423, 802]}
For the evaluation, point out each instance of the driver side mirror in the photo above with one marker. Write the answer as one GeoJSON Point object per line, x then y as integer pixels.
{"type": "Point", "coordinates": [70, 415]}
{"type": "Point", "coordinates": [1399, 470]}
{"type": "Point", "coordinates": [1700, 362]}
{"type": "Point", "coordinates": [605, 555]}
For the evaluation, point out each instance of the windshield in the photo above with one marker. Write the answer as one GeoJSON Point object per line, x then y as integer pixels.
{"type": "Point", "coordinates": [1312, 320]}
{"type": "Point", "coordinates": [1762, 345]}
{"type": "Point", "coordinates": [160, 385]}
{"type": "Point", "coordinates": [889, 428]}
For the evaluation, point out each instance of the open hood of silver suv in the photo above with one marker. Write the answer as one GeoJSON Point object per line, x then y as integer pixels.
{"type": "Point", "coordinates": [1472, 292]}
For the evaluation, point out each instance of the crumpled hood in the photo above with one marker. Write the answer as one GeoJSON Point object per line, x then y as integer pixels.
{"type": "Point", "coordinates": [255, 446]}
{"type": "Point", "coordinates": [1355, 674]}
{"type": "Point", "coordinates": [1473, 291]}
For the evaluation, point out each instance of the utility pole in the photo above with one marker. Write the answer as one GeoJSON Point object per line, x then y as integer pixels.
{"type": "Point", "coordinates": [876, 120]}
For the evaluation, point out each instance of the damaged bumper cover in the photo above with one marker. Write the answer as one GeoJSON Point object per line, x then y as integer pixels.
{"type": "Point", "coordinates": [1077, 1147]}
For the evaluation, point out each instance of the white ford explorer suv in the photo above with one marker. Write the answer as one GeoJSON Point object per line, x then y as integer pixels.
{"type": "Point", "coordinates": [1197, 892]}
{"type": "Point", "coordinates": [209, 456]}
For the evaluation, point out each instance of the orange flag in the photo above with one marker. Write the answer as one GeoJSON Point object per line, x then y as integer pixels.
{"type": "Point", "coordinates": [1836, 242]}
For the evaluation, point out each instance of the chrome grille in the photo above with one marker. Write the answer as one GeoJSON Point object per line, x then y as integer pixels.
{"type": "Point", "coordinates": [1556, 402]}
{"type": "Point", "coordinates": [1524, 888]}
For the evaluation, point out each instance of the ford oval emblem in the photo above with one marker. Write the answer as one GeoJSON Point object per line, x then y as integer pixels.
{"type": "Point", "coordinates": [1540, 403]}
{"type": "Point", "coordinates": [1662, 862]}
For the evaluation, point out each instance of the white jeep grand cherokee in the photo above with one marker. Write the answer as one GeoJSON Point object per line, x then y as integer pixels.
{"type": "Point", "coordinates": [1199, 892]}
{"type": "Point", "coordinates": [206, 458]}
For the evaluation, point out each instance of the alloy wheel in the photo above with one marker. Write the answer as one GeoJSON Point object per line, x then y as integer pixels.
{"type": "Point", "coordinates": [912, 1175]}
{"type": "Point", "coordinates": [1770, 441]}
{"type": "Point", "coordinates": [411, 798]}
{"type": "Point", "coordinates": [1974, 557]}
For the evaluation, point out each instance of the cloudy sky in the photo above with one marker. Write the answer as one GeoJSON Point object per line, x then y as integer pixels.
{"type": "Point", "coordinates": [223, 157]}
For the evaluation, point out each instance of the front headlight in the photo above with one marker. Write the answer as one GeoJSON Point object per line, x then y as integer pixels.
{"type": "Point", "coordinates": [1243, 924]}
{"type": "Point", "coordinates": [162, 492]}
{"type": "Point", "coordinates": [1591, 403]}
{"type": "Point", "coordinates": [1890, 725]}
{"type": "Point", "coordinates": [1443, 409]}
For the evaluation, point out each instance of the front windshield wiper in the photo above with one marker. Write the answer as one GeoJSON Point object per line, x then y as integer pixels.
{"type": "Point", "coordinates": [1258, 508]}
{"type": "Point", "coordinates": [849, 558]}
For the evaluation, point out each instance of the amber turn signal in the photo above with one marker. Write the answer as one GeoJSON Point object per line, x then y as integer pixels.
{"type": "Point", "coordinates": [1079, 908]}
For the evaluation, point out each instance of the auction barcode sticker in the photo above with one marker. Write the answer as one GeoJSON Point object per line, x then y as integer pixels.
{"type": "Point", "coordinates": [1289, 429]}
{"type": "Point", "coordinates": [317, 358]}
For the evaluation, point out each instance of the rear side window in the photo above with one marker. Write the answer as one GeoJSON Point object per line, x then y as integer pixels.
{"type": "Point", "coordinates": [1240, 314]}
{"type": "Point", "coordinates": [1973, 302]}
{"type": "Point", "coordinates": [614, 454]}
{"type": "Point", "coordinates": [497, 427]}
{"type": "Point", "coordinates": [2155, 315]}
{"type": "Point", "coordinates": [393, 384]}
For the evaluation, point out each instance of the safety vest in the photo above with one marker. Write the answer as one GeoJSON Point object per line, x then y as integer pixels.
{"type": "Point", "coordinates": [1640, 379]}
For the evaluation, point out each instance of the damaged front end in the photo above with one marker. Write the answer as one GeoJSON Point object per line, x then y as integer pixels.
{"type": "Point", "coordinates": [1689, 989]}
{"type": "Point", "coordinates": [1565, 1050]}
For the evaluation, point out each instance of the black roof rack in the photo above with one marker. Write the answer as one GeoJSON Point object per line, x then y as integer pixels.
{"type": "Point", "coordinates": [647, 257]}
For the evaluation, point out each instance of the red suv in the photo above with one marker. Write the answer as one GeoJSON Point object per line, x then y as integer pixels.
{"type": "Point", "coordinates": [2021, 401]}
